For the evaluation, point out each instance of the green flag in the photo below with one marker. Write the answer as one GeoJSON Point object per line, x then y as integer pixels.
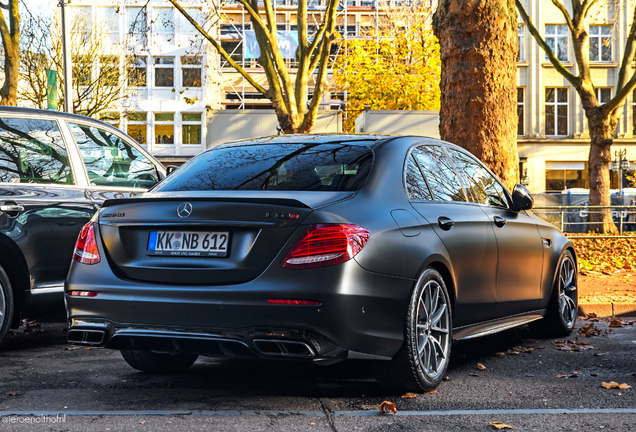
{"type": "Point", "coordinates": [51, 89]}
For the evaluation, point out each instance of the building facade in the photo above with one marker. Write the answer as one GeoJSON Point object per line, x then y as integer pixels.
{"type": "Point", "coordinates": [183, 76]}
{"type": "Point", "coordinates": [553, 137]}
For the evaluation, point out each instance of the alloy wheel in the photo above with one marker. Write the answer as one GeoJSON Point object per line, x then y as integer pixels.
{"type": "Point", "coordinates": [567, 291]}
{"type": "Point", "coordinates": [433, 325]}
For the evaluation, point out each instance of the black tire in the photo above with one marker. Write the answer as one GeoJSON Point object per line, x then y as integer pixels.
{"type": "Point", "coordinates": [6, 305]}
{"type": "Point", "coordinates": [421, 362]}
{"type": "Point", "coordinates": [560, 317]}
{"type": "Point", "coordinates": [148, 361]}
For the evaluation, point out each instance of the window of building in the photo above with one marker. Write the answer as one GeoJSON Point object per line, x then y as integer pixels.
{"type": "Point", "coordinates": [191, 71]}
{"type": "Point", "coordinates": [634, 112]}
{"type": "Point", "coordinates": [81, 24]}
{"type": "Point", "coordinates": [111, 117]}
{"type": "Point", "coordinates": [235, 50]}
{"type": "Point", "coordinates": [556, 36]}
{"type": "Point", "coordinates": [191, 128]}
{"type": "Point", "coordinates": [163, 25]}
{"type": "Point", "coordinates": [164, 71]}
{"type": "Point", "coordinates": [603, 94]}
{"type": "Point", "coordinates": [137, 71]}
{"type": "Point", "coordinates": [164, 128]}
{"type": "Point", "coordinates": [600, 43]}
{"type": "Point", "coordinates": [137, 19]}
{"type": "Point", "coordinates": [351, 30]}
{"type": "Point", "coordinates": [521, 37]}
{"type": "Point", "coordinates": [109, 71]}
{"type": "Point", "coordinates": [566, 175]}
{"type": "Point", "coordinates": [108, 17]}
{"type": "Point", "coordinates": [520, 111]}
{"type": "Point", "coordinates": [138, 126]}
{"type": "Point", "coordinates": [197, 15]}
{"type": "Point", "coordinates": [556, 111]}
{"type": "Point", "coordinates": [82, 70]}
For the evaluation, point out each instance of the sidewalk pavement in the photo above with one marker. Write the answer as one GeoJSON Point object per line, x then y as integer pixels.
{"type": "Point", "coordinates": [607, 295]}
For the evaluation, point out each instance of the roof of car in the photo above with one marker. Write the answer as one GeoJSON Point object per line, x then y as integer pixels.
{"type": "Point", "coordinates": [35, 111]}
{"type": "Point", "coordinates": [353, 139]}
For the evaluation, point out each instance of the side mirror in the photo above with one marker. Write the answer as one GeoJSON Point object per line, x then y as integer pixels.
{"type": "Point", "coordinates": [170, 169]}
{"type": "Point", "coordinates": [521, 198]}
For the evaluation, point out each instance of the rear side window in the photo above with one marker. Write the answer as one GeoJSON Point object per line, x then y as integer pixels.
{"type": "Point", "coordinates": [110, 161]}
{"type": "Point", "coordinates": [439, 173]}
{"type": "Point", "coordinates": [33, 151]}
{"type": "Point", "coordinates": [416, 186]}
{"type": "Point", "coordinates": [484, 188]}
{"type": "Point", "coordinates": [290, 167]}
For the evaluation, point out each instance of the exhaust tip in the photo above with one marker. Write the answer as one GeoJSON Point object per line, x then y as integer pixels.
{"type": "Point", "coordinates": [283, 348]}
{"type": "Point", "coordinates": [86, 337]}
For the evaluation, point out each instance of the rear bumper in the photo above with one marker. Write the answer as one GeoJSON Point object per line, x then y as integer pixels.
{"type": "Point", "coordinates": [361, 314]}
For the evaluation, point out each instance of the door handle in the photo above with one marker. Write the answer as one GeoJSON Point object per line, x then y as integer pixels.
{"type": "Point", "coordinates": [499, 221]}
{"type": "Point", "coordinates": [445, 223]}
{"type": "Point", "coordinates": [11, 208]}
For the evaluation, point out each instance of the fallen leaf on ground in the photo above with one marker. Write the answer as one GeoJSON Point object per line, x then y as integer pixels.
{"type": "Point", "coordinates": [600, 354]}
{"type": "Point", "coordinates": [12, 394]}
{"type": "Point", "coordinates": [481, 367]}
{"type": "Point", "coordinates": [500, 425]}
{"type": "Point", "coordinates": [616, 322]}
{"type": "Point", "coordinates": [614, 384]}
{"type": "Point", "coordinates": [594, 374]}
{"type": "Point", "coordinates": [500, 354]}
{"type": "Point", "coordinates": [87, 348]}
{"type": "Point", "coordinates": [431, 392]}
{"type": "Point", "coordinates": [387, 406]}
{"type": "Point", "coordinates": [71, 348]}
{"type": "Point", "coordinates": [590, 330]}
{"type": "Point", "coordinates": [591, 317]}
{"type": "Point", "coordinates": [446, 378]}
{"type": "Point", "coordinates": [570, 345]}
{"type": "Point", "coordinates": [409, 395]}
{"type": "Point", "coordinates": [565, 375]}
{"type": "Point", "coordinates": [633, 373]}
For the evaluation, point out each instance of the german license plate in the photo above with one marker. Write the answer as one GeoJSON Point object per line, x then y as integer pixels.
{"type": "Point", "coordinates": [187, 243]}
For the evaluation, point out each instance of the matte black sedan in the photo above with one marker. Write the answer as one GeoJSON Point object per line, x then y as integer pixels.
{"type": "Point", "coordinates": [320, 248]}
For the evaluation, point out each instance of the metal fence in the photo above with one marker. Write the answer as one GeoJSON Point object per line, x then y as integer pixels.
{"type": "Point", "coordinates": [576, 219]}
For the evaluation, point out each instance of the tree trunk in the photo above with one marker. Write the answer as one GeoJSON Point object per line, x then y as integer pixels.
{"type": "Point", "coordinates": [478, 42]}
{"type": "Point", "coordinates": [11, 44]}
{"type": "Point", "coordinates": [602, 129]}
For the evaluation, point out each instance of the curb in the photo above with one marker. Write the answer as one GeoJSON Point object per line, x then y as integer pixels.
{"type": "Point", "coordinates": [607, 309]}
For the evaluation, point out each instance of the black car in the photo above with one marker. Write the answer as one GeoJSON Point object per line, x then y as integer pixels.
{"type": "Point", "coordinates": [56, 169]}
{"type": "Point", "coordinates": [319, 248]}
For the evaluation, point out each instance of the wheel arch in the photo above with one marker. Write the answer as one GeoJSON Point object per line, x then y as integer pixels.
{"type": "Point", "coordinates": [14, 264]}
{"type": "Point", "coordinates": [443, 269]}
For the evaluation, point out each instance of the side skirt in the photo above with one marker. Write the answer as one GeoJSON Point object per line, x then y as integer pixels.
{"type": "Point", "coordinates": [495, 326]}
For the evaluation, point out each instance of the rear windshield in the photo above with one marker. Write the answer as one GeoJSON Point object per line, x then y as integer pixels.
{"type": "Point", "coordinates": [289, 167]}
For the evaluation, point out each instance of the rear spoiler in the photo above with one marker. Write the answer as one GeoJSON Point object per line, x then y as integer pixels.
{"type": "Point", "coordinates": [275, 201]}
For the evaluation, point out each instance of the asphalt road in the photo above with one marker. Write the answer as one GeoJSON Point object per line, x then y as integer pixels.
{"type": "Point", "coordinates": [44, 386]}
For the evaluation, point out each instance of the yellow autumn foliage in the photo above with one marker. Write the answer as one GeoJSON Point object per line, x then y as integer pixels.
{"type": "Point", "coordinates": [394, 67]}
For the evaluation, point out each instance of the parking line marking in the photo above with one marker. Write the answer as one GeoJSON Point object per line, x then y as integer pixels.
{"type": "Point", "coordinates": [310, 413]}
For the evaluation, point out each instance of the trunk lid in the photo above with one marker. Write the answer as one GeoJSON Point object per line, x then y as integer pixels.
{"type": "Point", "coordinates": [257, 224]}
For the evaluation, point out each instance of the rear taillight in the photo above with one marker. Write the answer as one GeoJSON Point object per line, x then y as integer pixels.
{"type": "Point", "coordinates": [324, 245]}
{"type": "Point", "coordinates": [86, 247]}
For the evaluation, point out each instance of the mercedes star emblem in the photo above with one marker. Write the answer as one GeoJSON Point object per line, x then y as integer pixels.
{"type": "Point", "coordinates": [184, 210]}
